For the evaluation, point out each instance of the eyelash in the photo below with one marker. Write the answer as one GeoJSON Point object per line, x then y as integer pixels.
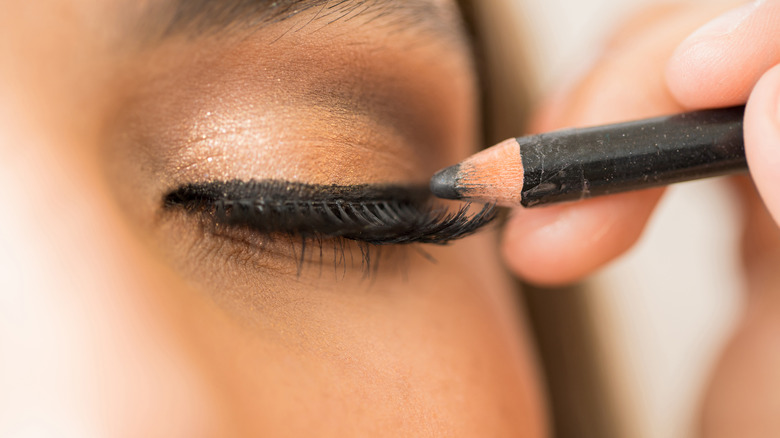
{"type": "Point", "coordinates": [400, 218]}
{"type": "Point", "coordinates": [372, 216]}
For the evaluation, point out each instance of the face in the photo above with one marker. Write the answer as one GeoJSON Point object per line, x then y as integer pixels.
{"type": "Point", "coordinates": [209, 197]}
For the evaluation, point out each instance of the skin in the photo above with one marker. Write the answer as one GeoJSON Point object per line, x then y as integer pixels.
{"type": "Point", "coordinates": [118, 320]}
{"type": "Point", "coordinates": [121, 319]}
{"type": "Point", "coordinates": [660, 64]}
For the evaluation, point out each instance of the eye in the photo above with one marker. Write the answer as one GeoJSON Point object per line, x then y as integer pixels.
{"type": "Point", "coordinates": [374, 214]}
{"type": "Point", "coordinates": [371, 214]}
{"type": "Point", "coordinates": [258, 151]}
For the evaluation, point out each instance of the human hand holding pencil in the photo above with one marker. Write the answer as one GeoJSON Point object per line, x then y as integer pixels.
{"type": "Point", "coordinates": [647, 72]}
{"type": "Point", "coordinates": [715, 67]}
{"type": "Point", "coordinates": [736, 59]}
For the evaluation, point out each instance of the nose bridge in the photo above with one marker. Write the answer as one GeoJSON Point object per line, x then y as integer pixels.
{"type": "Point", "coordinates": [85, 341]}
{"type": "Point", "coordinates": [87, 344]}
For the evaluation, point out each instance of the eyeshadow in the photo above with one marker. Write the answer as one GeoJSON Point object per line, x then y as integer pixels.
{"type": "Point", "coordinates": [373, 213]}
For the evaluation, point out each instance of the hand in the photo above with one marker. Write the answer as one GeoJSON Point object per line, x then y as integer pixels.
{"type": "Point", "coordinates": [732, 60]}
{"type": "Point", "coordinates": [645, 71]}
{"type": "Point", "coordinates": [712, 68]}
{"type": "Point", "coordinates": [563, 243]}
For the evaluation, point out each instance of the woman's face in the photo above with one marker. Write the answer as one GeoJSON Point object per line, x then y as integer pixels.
{"type": "Point", "coordinates": [145, 317]}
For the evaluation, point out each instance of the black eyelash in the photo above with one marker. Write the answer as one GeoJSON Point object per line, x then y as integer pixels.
{"type": "Point", "coordinates": [374, 214]}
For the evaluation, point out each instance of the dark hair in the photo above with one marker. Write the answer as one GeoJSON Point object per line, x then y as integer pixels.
{"type": "Point", "coordinates": [560, 320]}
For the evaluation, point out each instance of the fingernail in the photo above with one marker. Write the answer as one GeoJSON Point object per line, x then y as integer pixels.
{"type": "Point", "coordinates": [728, 22]}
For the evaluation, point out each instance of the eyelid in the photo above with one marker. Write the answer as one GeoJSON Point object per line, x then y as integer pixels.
{"type": "Point", "coordinates": [391, 214]}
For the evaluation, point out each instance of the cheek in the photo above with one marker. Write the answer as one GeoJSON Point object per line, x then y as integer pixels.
{"type": "Point", "coordinates": [397, 354]}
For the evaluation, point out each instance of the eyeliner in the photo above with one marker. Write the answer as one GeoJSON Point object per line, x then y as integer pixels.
{"type": "Point", "coordinates": [574, 164]}
{"type": "Point", "coordinates": [378, 214]}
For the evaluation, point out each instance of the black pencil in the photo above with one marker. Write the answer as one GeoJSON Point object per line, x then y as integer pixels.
{"type": "Point", "coordinates": [576, 164]}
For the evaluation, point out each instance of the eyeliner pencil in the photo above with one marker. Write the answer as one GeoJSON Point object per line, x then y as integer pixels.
{"type": "Point", "coordinates": [574, 164]}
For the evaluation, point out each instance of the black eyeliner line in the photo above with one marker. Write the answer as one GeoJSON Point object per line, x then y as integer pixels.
{"type": "Point", "coordinates": [380, 214]}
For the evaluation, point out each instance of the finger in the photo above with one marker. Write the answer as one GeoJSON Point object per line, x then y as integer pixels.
{"type": "Point", "coordinates": [742, 398]}
{"type": "Point", "coordinates": [719, 64]}
{"type": "Point", "coordinates": [762, 139]}
{"type": "Point", "coordinates": [760, 242]}
{"type": "Point", "coordinates": [560, 244]}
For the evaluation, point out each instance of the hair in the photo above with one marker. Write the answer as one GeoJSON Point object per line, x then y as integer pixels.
{"type": "Point", "coordinates": [561, 321]}
{"type": "Point", "coordinates": [506, 79]}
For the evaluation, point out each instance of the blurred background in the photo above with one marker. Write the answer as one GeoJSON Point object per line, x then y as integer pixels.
{"type": "Point", "coordinates": [657, 319]}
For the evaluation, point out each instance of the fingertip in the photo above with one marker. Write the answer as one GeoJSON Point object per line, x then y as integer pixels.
{"type": "Point", "coordinates": [701, 72]}
{"type": "Point", "coordinates": [762, 139]}
{"type": "Point", "coordinates": [719, 64]}
{"type": "Point", "coordinates": [699, 76]}
{"type": "Point", "coordinates": [564, 243]}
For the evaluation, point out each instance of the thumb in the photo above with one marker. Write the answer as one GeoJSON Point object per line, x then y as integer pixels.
{"type": "Point", "coordinates": [762, 139]}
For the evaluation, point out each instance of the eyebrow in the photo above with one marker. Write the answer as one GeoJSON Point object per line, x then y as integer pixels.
{"type": "Point", "coordinates": [203, 17]}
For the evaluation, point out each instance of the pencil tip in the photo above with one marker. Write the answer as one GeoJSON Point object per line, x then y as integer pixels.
{"type": "Point", "coordinates": [444, 183]}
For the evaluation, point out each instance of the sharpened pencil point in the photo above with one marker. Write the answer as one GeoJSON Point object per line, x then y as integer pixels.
{"type": "Point", "coordinates": [444, 183]}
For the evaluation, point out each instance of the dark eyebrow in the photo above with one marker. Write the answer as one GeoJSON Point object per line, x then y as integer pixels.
{"type": "Point", "coordinates": [199, 17]}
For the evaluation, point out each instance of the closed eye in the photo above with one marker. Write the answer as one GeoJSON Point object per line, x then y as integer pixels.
{"type": "Point", "coordinates": [375, 214]}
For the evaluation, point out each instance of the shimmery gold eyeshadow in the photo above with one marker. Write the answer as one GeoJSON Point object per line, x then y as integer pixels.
{"type": "Point", "coordinates": [328, 107]}
{"type": "Point", "coordinates": [339, 106]}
